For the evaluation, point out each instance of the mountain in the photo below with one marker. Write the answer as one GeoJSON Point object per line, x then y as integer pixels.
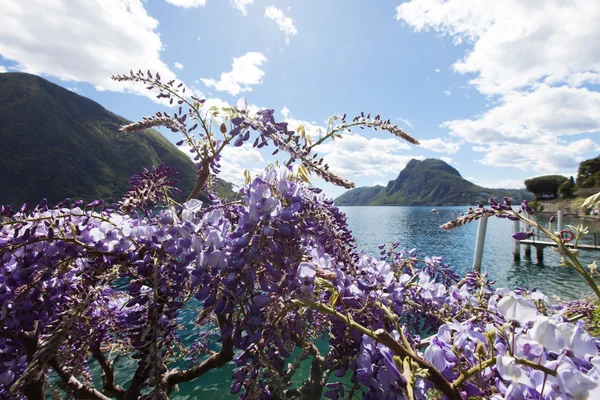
{"type": "Point", "coordinates": [430, 182]}
{"type": "Point", "coordinates": [58, 144]}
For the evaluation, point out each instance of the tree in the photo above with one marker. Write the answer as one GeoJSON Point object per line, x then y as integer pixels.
{"type": "Point", "coordinates": [567, 188]}
{"type": "Point", "coordinates": [588, 174]}
{"type": "Point", "coordinates": [259, 278]}
{"type": "Point", "coordinates": [545, 185]}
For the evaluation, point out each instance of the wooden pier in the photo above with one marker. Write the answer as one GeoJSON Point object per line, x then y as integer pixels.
{"type": "Point", "coordinates": [540, 245]}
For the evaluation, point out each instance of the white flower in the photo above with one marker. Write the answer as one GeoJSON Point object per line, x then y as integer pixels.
{"type": "Point", "coordinates": [517, 309]}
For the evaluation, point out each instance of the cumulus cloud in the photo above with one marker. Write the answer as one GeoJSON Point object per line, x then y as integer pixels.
{"type": "Point", "coordinates": [234, 160]}
{"type": "Point", "coordinates": [245, 71]}
{"type": "Point", "coordinates": [178, 65]}
{"type": "Point", "coordinates": [440, 146]}
{"type": "Point", "coordinates": [242, 5]}
{"type": "Point", "coordinates": [187, 3]}
{"type": "Point", "coordinates": [312, 129]}
{"type": "Point", "coordinates": [286, 24]}
{"type": "Point", "coordinates": [550, 156]}
{"type": "Point", "coordinates": [356, 155]}
{"type": "Point", "coordinates": [534, 69]}
{"type": "Point", "coordinates": [533, 117]}
{"type": "Point", "coordinates": [3, 69]}
{"type": "Point", "coordinates": [515, 43]}
{"type": "Point", "coordinates": [447, 160]}
{"type": "Point", "coordinates": [112, 38]}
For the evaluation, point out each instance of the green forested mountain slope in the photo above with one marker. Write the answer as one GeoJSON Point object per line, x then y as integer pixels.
{"type": "Point", "coordinates": [430, 182]}
{"type": "Point", "coordinates": [58, 144]}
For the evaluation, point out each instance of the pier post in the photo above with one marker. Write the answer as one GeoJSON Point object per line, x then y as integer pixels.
{"type": "Point", "coordinates": [539, 250]}
{"type": "Point", "coordinates": [516, 243]}
{"type": "Point", "coordinates": [479, 244]}
{"type": "Point", "coordinates": [527, 246]}
{"type": "Point", "coordinates": [559, 220]}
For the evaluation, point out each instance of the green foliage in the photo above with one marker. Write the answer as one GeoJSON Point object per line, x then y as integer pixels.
{"type": "Point", "coordinates": [429, 182]}
{"type": "Point", "coordinates": [360, 196]}
{"type": "Point", "coordinates": [588, 174]}
{"type": "Point", "coordinates": [546, 185]}
{"type": "Point", "coordinates": [566, 189]}
{"type": "Point", "coordinates": [57, 144]}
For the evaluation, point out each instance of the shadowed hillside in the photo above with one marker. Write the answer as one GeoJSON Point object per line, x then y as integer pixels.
{"type": "Point", "coordinates": [58, 144]}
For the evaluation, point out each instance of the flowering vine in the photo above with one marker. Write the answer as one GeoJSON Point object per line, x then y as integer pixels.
{"type": "Point", "coordinates": [265, 276]}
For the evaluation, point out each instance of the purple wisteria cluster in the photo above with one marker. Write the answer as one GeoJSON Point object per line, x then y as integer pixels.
{"type": "Point", "coordinates": [269, 279]}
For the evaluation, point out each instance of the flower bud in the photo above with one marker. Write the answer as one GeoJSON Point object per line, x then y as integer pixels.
{"type": "Point", "coordinates": [522, 235]}
{"type": "Point", "coordinates": [480, 349]}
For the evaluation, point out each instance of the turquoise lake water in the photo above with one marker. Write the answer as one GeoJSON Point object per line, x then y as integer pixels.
{"type": "Point", "coordinates": [417, 227]}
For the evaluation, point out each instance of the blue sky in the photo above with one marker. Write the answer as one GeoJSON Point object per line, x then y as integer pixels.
{"type": "Point", "coordinates": [496, 88]}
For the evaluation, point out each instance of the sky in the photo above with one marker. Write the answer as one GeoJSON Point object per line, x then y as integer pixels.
{"type": "Point", "coordinates": [502, 90]}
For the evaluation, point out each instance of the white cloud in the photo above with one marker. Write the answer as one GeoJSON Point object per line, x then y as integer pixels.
{"type": "Point", "coordinates": [550, 156]}
{"type": "Point", "coordinates": [234, 160]}
{"type": "Point", "coordinates": [447, 92]}
{"type": "Point", "coordinates": [515, 43]}
{"type": "Point", "coordinates": [447, 160]}
{"type": "Point", "coordinates": [311, 128]}
{"type": "Point", "coordinates": [533, 130]}
{"type": "Point", "coordinates": [187, 3]}
{"type": "Point", "coordinates": [286, 24]}
{"type": "Point", "coordinates": [532, 59]}
{"type": "Point", "coordinates": [533, 117]}
{"type": "Point", "coordinates": [437, 70]}
{"type": "Point", "coordinates": [242, 4]}
{"type": "Point", "coordinates": [245, 71]}
{"type": "Point", "coordinates": [112, 38]}
{"type": "Point", "coordinates": [178, 65]}
{"type": "Point", "coordinates": [356, 155]}
{"type": "Point", "coordinates": [440, 145]}
{"type": "Point", "coordinates": [405, 121]}
{"type": "Point", "coordinates": [3, 69]}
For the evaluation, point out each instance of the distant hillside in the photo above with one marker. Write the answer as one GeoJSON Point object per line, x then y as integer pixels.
{"type": "Point", "coordinates": [58, 144]}
{"type": "Point", "coordinates": [430, 182]}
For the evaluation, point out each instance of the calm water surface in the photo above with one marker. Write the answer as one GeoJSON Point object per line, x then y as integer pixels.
{"type": "Point", "coordinates": [417, 227]}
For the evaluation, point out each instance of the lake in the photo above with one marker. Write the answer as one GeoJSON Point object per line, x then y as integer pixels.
{"type": "Point", "coordinates": [417, 227]}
